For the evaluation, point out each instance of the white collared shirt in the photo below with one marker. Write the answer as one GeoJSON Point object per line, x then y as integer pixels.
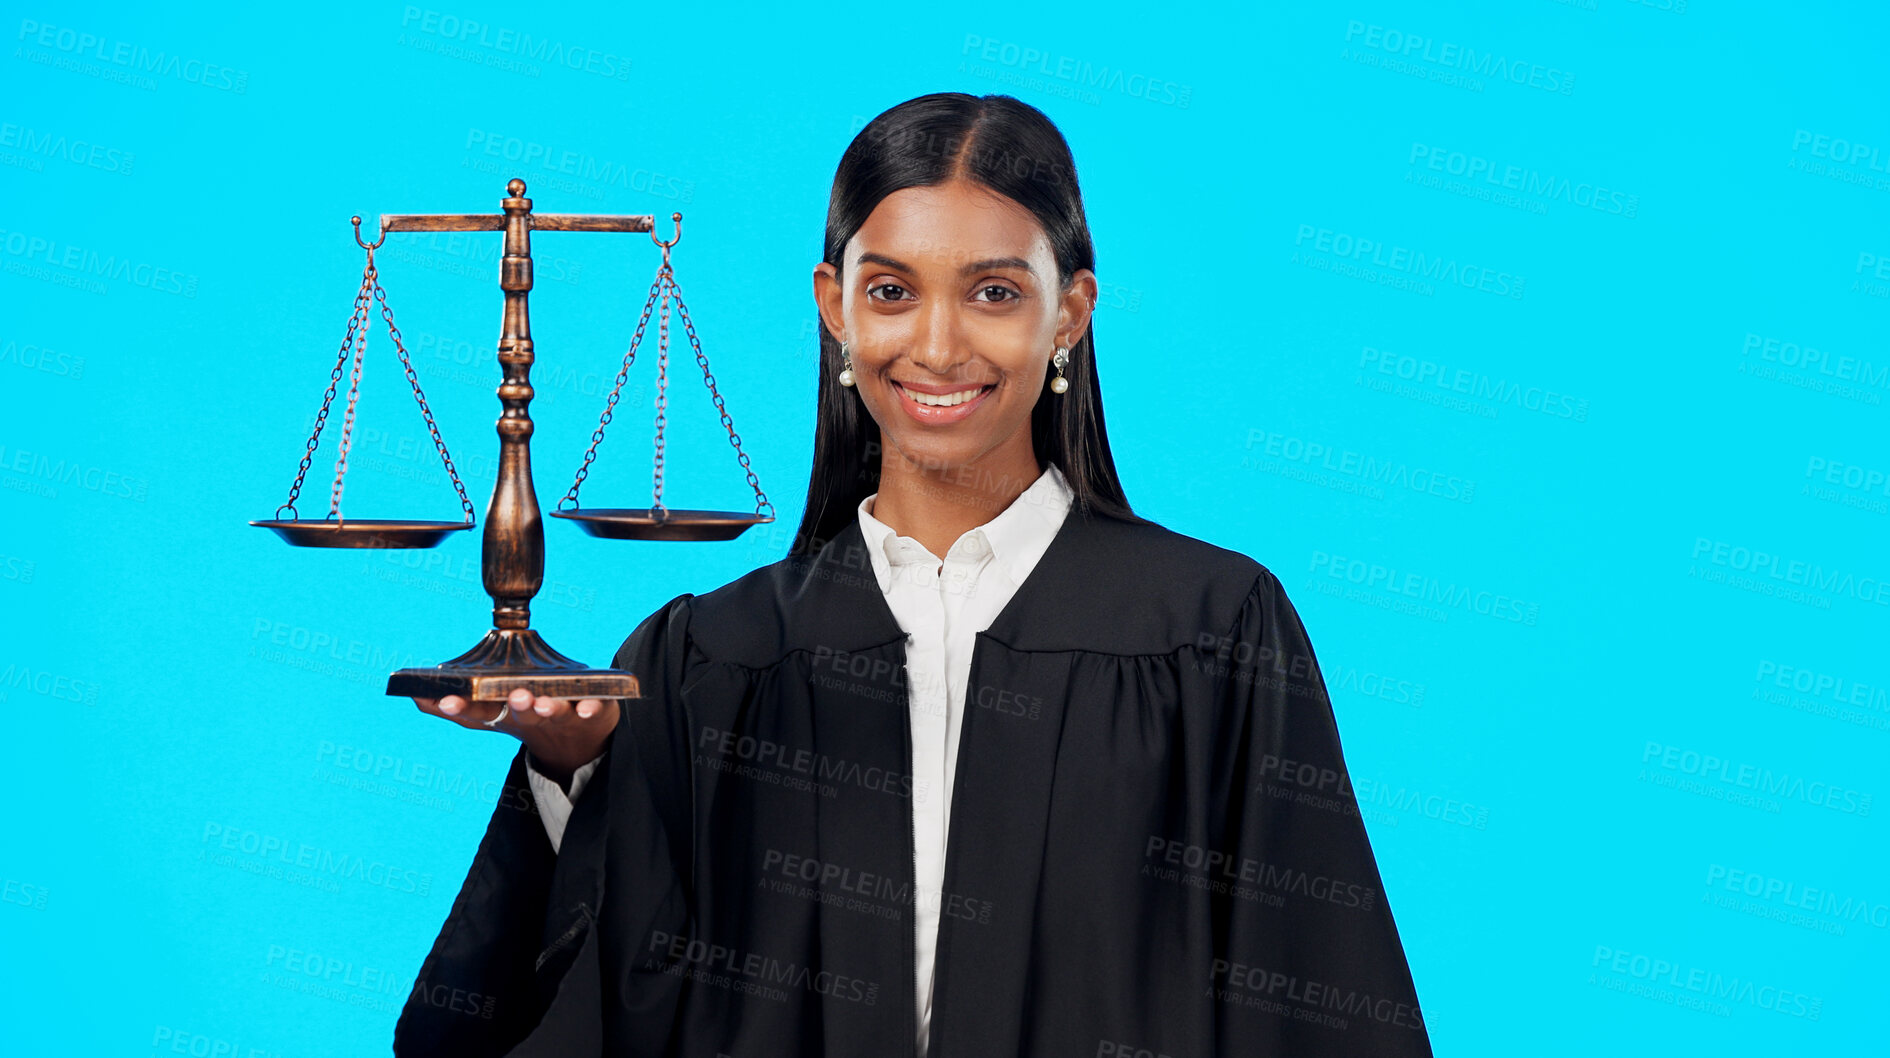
{"type": "Point", "coordinates": [941, 604]}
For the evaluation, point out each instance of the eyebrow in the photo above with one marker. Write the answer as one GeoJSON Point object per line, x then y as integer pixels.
{"type": "Point", "coordinates": [975, 266]}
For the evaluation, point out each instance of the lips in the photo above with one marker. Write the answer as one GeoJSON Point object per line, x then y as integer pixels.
{"type": "Point", "coordinates": [964, 401]}
{"type": "Point", "coordinates": [936, 396]}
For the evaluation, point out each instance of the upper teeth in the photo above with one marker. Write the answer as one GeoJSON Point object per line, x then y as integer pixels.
{"type": "Point", "coordinates": [943, 400]}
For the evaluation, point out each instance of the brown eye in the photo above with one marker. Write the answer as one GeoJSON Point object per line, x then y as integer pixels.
{"type": "Point", "coordinates": [887, 286]}
{"type": "Point", "coordinates": [1007, 291]}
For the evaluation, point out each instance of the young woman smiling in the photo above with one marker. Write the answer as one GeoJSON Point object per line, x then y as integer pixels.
{"type": "Point", "coordinates": [986, 765]}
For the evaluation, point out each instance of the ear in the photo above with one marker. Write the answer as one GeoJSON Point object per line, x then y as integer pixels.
{"type": "Point", "coordinates": [1078, 303]}
{"type": "Point", "coordinates": [829, 296]}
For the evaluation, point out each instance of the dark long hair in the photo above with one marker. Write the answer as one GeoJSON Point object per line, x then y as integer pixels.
{"type": "Point", "coordinates": [1013, 149]}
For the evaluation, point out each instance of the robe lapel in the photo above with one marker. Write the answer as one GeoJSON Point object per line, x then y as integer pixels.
{"type": "Point", "coordinates": [1001, 788]}
{"type": "Point", "coordinates": [861, 733]}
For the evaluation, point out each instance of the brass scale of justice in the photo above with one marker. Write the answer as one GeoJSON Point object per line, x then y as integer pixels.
{"type": "Point", "coordinates": [513, 654]}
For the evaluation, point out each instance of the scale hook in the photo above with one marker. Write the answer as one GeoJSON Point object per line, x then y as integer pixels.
{"type": "Point", "coordinates": [677, 217]}
{"type": "Point", "coordinates": [383, 238]}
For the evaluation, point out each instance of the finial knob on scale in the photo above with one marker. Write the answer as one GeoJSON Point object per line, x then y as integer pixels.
{"type": "Point", "coordinates": [515, 187]}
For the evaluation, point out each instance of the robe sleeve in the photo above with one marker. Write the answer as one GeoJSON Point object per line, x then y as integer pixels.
{"type": "Point", "coordinates": [1309, 961]}
{"type": "Point", "coordinates": [519, 968]}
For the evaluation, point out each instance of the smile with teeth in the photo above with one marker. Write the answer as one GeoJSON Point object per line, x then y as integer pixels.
{"type": "Point", "coordinates": [942, 400]}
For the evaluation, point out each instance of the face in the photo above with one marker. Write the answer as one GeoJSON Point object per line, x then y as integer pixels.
{"type": "Point", "coordinates": [951, 311]}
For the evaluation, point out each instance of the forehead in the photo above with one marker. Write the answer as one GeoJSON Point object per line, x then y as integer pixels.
{"type": "Point", "coordinates": [941, 225]}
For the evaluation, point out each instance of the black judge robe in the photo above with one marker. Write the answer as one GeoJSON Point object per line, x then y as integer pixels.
{"type": "Point", "coordinates": [1153, 850]}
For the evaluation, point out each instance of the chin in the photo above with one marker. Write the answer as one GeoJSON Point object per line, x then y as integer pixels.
{"type": "Point", "coordinates": [930, 453]}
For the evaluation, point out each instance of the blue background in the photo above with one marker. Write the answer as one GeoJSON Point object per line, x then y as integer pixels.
{"type": "Point", "coordinates": [1485, 327]}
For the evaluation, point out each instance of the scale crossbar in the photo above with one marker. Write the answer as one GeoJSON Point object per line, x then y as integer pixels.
{"type": "Point", "coordinates": [618, 222]}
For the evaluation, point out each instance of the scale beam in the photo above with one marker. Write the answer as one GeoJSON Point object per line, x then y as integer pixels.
{"type": "Point", "coordinates": [594, 222]}
{"type": "Point", "coordinates": [619, 222]}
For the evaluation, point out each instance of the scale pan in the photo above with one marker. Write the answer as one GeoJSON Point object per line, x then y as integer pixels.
{"type": "Point", "coordinates": [362, 532]}
{"type": "Point", "coordinates": [639, 523]}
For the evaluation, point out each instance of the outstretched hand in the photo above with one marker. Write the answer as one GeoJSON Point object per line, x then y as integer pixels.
{"type": "Point", "coordinates": [562, 735]}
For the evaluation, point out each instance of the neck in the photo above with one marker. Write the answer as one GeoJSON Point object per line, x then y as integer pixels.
{"type": "Point", "coordinates": [937, 505]}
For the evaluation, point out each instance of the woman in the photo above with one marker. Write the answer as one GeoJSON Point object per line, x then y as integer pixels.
{"type": "Point", "coordinates": [987, 765]}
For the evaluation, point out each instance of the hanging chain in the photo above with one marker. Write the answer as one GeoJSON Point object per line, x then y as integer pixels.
{"type": "Point", "coordinates": [357, 321]}
{"type": "Point", "coordinates": [610, 404]}
{"type": "Point", "coordinates": [354, 395]}
{"type": "Point", "coordinates": [657, 510]}
{"type": "Point", "coordinates": [433, 428]}
{"type": "Point", "coordinates": [728, 423]}
{"type": "Point", "coordinates": [664, 287]}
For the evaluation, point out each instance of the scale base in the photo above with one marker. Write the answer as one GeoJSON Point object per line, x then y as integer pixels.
{"type": "Point", "coordinates": [507, 659]}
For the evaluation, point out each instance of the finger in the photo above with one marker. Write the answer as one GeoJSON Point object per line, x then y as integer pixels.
{"type": "Point", "coordinates": [588, 708]}
{"type": "Point", "coordinates": [551, 709]}
{"type": "Point", "coordinates": [452, 707]}
{"type": "Point", "coordinates": [515, 712]}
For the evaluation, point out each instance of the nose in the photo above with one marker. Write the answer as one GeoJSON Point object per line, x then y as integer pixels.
{"type": "Point", "coordinates": [935, 346]}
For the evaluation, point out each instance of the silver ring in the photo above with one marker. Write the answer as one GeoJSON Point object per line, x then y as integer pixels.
{"type": "Point", "coordinates": [505, 710]}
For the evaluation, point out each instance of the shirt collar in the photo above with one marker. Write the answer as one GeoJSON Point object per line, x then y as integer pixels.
{"type": "Point", "coordinates": [1018, 536]}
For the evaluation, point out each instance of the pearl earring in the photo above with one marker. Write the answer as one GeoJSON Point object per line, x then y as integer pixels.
{"type": "Point", "coordinates": [846, 371]}
{"type": "Point", "coordinates": [1059, 383]}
